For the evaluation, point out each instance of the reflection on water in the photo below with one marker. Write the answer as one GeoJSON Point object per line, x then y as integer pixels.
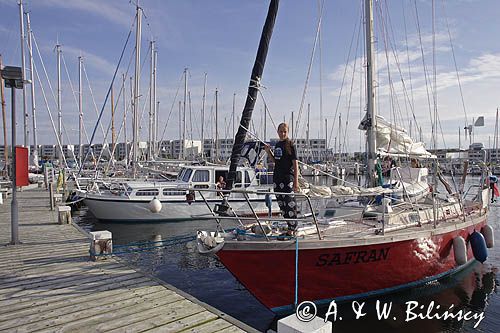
{"type": "Point", "coordinates": [474, 289]}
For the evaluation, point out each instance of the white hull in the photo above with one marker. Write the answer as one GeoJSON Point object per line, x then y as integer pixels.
{"type": "Point", "coordinates": [138, 210]}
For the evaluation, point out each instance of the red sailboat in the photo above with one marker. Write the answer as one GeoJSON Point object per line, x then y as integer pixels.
{"type": "Point", "coordinates": [381, 245]}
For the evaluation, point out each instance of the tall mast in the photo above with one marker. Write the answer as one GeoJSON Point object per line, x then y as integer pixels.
{"type": "Point", "coordinates": [216, 125]}
{"type": "Point", "coordinates": [113, 132]}
{"type": "Point", "coordinates": [496, 137]}
{"type": "Point", "coordinates": [203, 117]}
{"type": "Point", "coordinates": [155, 106]}
{"type": "Point", "coordinates": [125, 120]}
{"type": "Point", "coordinates": [234, 102]}
{"type": "Point", "coordinates": [370, 94]}
{"type": "Point", "coordinates": [135, 103]}
{"type": "Point", "coordinates": [151, 105]}
{"type": "Point", "coordinates": [80, 111]}
{"type": "Point", "coordinates": [184, 114]}
{"type": "Point", "coordinates": [23, 69]}
{"type": "Point", "coordinates": [59, 103]}
{"type": "Point", "coordinates": [32, 79]}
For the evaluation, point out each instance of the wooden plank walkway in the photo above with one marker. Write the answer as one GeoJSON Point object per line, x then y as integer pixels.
{"type": "Point", "coordinates": [48, 284]}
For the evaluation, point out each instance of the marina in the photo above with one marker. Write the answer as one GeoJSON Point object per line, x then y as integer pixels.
{"type": "Point", "coordinates": [365, 210]}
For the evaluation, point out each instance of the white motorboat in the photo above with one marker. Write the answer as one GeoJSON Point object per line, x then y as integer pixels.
{"type": "Point", "coordinates": [193, 195]}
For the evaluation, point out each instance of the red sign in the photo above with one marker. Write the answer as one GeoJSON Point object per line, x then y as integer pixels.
{"type": "Point", "coordinates": [21, 166]}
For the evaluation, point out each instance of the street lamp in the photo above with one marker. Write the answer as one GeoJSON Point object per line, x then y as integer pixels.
{"type": "Point", "coordinates": [13, 77]}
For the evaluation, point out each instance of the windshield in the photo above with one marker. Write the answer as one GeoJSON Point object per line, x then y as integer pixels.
{"type": "Point", "coordinates": [187, 175]}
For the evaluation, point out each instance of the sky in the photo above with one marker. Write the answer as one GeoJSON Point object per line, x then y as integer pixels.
{"type": "Point", "coordinates": [323, 72]}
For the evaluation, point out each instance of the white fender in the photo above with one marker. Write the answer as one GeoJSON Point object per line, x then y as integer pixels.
{"type": "Point", "coordinates": [460, 250]}
{"type": "Point", "coordinates": [155, 205]}
{"type": "Point", "coordinates": [487, 232]}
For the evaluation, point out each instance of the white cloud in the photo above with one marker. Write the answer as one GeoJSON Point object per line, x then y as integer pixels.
{"type": "Point", "coordinates": [106, 9]}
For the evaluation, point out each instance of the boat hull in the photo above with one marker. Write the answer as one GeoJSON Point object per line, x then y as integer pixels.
{"type": "Point", "coordinates": [139, 210]}
{"type": "Point", "coordinates": [327, 270]}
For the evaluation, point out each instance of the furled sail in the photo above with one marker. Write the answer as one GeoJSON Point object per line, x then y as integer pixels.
{"type": "Point", "coordinates": [392, 139]}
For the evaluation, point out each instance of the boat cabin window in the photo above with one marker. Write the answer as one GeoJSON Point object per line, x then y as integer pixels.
{"type": "Point", "coordinates": [181, 173]}
{"type": "Point", "coordinates": [201, 176]}
{"type": "Point", "coordinates": [187, 175]}
{"type": "Point", "coordinates": [173, 191]}
{"type": "Point", "coordinates": [147, 193]}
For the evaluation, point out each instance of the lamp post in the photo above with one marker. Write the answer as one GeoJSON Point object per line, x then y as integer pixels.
{"type": "Point", "coordinates": [13, 77]}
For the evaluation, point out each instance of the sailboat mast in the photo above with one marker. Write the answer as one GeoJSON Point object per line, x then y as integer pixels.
{"type": "Point", "coordinates": [216, 124]}
{"type": "Point", "coordinates": [370, 94]}
{"type": "Point", "coordinates": [151, 104]}
{"type": "Point", "coordinates": [23, 69]}
{"type": "Point", "coordinates": [135, 140]}
{"type": "Point", "coordinates": [32, 86]}
{"type": "Point", "coordinates": [255, 77]}
{"type": "Point", "coordinates": [183, 140]}
{"type": "Point", "coordinates": [203, 117]}
{"type": "Point", "coordinates": [496, 138]}
{"type": "Point", "coordinates": [80, 112]}
{"type": "Point", "coordinates": [59, 102]}
{"type": "Point", "coordinates": [155, 108]}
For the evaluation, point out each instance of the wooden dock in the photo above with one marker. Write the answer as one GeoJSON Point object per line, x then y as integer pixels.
{"type": "Point", "coordinates": [48, 284]}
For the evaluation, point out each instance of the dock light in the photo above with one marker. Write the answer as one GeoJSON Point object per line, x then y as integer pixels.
{"type": "Point", "coordinates": [13, 77]}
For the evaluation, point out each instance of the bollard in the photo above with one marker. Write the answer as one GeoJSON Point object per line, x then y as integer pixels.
{"type": "Point", "coordinates": [58, 197]}
{"type": "Point", "coordinates": [64, 214]}
{"type": "Point", "coordinates": [100, 243]}
{"type": "Point", "coordinates": [1, 198]}
{"type": "Point", "coordinates": [51, 195]}
{"type": "Point", "coordinates": [292, 324]}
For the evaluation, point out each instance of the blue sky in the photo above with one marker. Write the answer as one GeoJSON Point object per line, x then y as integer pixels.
{"type": "Point", "coordinates": [220, 38]}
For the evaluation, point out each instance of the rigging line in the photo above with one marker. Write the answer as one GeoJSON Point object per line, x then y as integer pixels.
{"type": "Point", "coordinates": [350, 94]}
{"type": "Point", "coordinates": [392, 92]}
{"type": "Point", "coordinates": [111, 153]}
{"type": "Point", "coordinates": [93, 101]}
{"type": "Point", "coordinates": [43, 67]}
{"type": "Point", "coordinates": [267, 109]}
{"type": "Point", "coordinates": [172, 107]}
{"type": "Point", "coordinates": [417, 20]}
{"type": "Point", "coordinates": [304, 92]}
{"type": "Point", "coordinates": [398, 65]}
{"type": "Point", "coordinates": [50, 114]}
{"type": "Point", "coordinates": [343, 81]}
{"type": "Point", "coordinates": [455, 62]}
{"type": "Point", "coordinates": [412, 102]}
{"type": "Point", "coordinates": [320, 6]}
{"type": "Point", "coordinates": [107, 94]}
{"type": "Point", "coordinates": [122, 125]}
{"type": "Point", "coordinates": [76, 101]}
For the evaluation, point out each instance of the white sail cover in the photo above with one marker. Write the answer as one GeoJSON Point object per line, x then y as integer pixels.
{"type": "Point", "coordinates": [392, 139]}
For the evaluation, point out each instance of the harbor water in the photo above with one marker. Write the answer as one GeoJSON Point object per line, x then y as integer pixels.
{"type": "Point", "coordinates": [474, 290]}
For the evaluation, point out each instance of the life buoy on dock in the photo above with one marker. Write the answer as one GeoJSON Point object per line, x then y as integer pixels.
{"type": "Point", "coordinates": [487, 232]}
{"type": "Point", "coordinates": [460, 250]}
{"type": "Point", "coordinates": [155, 205]}
{"type": "Point", "coordinates": [478, 245]}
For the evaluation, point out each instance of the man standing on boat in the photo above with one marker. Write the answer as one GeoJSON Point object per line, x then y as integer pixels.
{"type": "Point", "coordinates": [285, 177]}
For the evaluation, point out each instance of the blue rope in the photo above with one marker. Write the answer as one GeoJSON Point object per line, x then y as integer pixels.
{"type": "Point", "coordinates": [296, 271]}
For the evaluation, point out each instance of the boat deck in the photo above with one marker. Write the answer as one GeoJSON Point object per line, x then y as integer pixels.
{"type": "Point", "coordinates": [48, 284]}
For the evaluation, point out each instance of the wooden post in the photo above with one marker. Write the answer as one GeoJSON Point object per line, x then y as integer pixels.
{"type": "Point", "coordinates": [64, 214]}
{"type": "Point", "coordinates": [51, 195]}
